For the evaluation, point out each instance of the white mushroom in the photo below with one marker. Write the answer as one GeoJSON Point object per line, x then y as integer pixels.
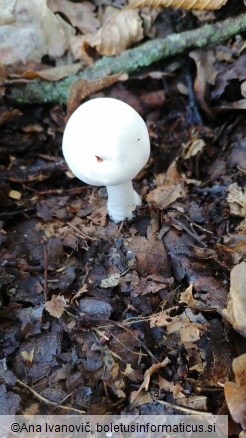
{"type": "Point", "coordinates": [106, 143]}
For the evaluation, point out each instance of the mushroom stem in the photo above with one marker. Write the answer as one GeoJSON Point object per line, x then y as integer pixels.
{"type": "Point", "coordinates": [122, 201]}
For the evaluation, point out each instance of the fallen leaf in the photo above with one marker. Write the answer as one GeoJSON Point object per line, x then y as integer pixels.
{"type": "Point", "coordinates": [217, 354]}
{"type": "Point", "coordinates": [10, 402]}
{"type": "Point", "coordinates": [119, 31]}
{"type": "Point", "coordinates": [81, 88]}
{"type": "Point", "coordinates": [236, 308]}
{"type": "Point", "coordinates": [234, 245]}
{"type": "Point", "coordinates": [111, 281]}
{"type": "Point", "coordinates": [188, 325]}
{"type": "Point", "coordinates": [236, 199]}
{"type": "Point", "coordinates": [235, 392]}
{"type": "Point", "coordinates": [78, 47]}
{"type": "Point", "coordinates": [192, 148]}
{"type": "Point", "coordinates": [3, 73]}
{"type": "Point", "coordinates": [209, 291]}
{"type": "Point", "coordinates": [81, 15]}
{"type": "Point", "coordinates": [28, 356]}
{"type": "Point", "coordinates": [150, 254]}
{"type": "Point", "coordinates": [190, 333]}
{"type": "Point", "coordinates": [95, 308]}
{"type": "Point", "coordinates": [135, 375]}
{"type": "Point", "coordinates": [54, 73]}
{"type": "Point", "coordinates": [206, 73]}
{"type": "Point", "coordinates": [34, 31]}
{"type": "Point", "coordinates": [231, 71]}
{"type": "Point", "coordinates": [14, 194]}
{"type": "Point", "coordinates": [164, 384]}
{"type": "Point", "coordinates": [55, 307]}
{"type": "Point", "coordinates": [143, 398]}
{"type": "Point", "coordinates": [33, 409]}
{"type": "Point", "coordinates": [8, 115]}
{"type": "Point", "coordinates": [166, 195]}
{"type": "Point", "coordinates": [31, 320]}
{"type": "Point", "coordinates": [147, 375]}
{"type": "Point", "coordinates": [239, 369]}
{"type": "Point", "coordinates": [46, 348]}
{"type": "Point", "coordinates": [98, 221]}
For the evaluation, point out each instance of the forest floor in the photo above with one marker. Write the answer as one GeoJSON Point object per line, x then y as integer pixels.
{"type": "Point", "coordinates": [145, 316]}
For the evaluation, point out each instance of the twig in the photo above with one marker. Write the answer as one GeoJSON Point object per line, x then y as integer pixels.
{"type": "Point", "coordinates": [182, 408]}
{"type": "Point", "coordinates": [21, 266]}
{"type": "Point", "coordinates": [72, 191]}
{"type": "Point", "coordinates": [146, 54]}
{"type": "Point", "coordinates": [81, 290]}
{"type": "Point", "coordinates": [48, 402]}
{"type": "Point", "coordinates": [46, 290]}
{"type": "Point", "coordinates": [81, 233]}
{"type": "Point", "coordinates": [141, 343]}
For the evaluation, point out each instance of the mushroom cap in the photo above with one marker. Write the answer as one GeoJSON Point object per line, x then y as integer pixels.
{"type": "Point", "coordinates": [106, 142]}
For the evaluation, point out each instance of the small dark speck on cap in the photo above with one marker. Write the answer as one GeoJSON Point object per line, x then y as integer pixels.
{"type": "Point", "coordinates": [99, 159]}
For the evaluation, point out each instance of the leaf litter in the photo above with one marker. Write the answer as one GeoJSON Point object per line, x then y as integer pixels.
{"type": "Point", "coordinates": [125, 316]}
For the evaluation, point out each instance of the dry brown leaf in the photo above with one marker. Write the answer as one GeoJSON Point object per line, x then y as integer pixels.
{"type": "Point", "coordinates": [188, 325]}
{"type": "Point", "coordinates": [235, 392]}
{"type": "Point", "coordinates": [145, 285]}
{"type": "Point", "coordinates": [78, 47]}
{"type": "Point", "coordinates": [34, 31]}
{"type": "Point", "coordinates": [234, 246]}
{"type": "Point", "coordinates": [205, 63]}
{"type": "Point", "coordinates": [236, 401]}
{"type": "Point", "coordinates": [119, 31]}
{"type": "Point", "coordinates": [112, 281]}
{"type": "Point", "coordinates": [148, 373]}
{"type": "Point", "coordinates": [33, 409]}
{"type": "Point", "coordinates": [14, 194]}
{"type": "Point", "coordinates": [7, 115]}
{"type": "Point", "coordinates": [185, 4]}
{"type": "Point", "coordinates": [206, 73]}
{"type": "Point", "coordinates": [236, 198]}
{"type": "Point", "coordinates": [81, 88]}
{"type": "Point", "coordinates": [55, 306]}
{"type": "Point", "coordinates": [54, 73]}
{"type": "Point", "coordinates": [171, 175]}
{"type": "Point", "coordinates": [28, 356]}
{"type": "Point", "coordinates": [135, 375]}
{"type": "Point", "coordinates": [187, 297]}
{"type": "Point", "coordinates": [81, 15]}
{"type": "Point", "coordinates": [140, 399]}
{"type": "Point", "coordinates": [236, 308]}
{"type": "Point", "coordinates": [192, 148]}
{"type": "Point", "coordinates": [3, 73]}
{"type": "Point", "coordinates": [166, 195]}
{"type": "Point", "coordinates": [164, 384]}
{"type": "Point", "coordinates": [151, 255]}
{"type": "Point", "coordinates": [239, 369]}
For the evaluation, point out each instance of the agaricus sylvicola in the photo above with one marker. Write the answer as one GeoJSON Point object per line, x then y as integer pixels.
{"type": "Point", "coordinates": [106, 143]}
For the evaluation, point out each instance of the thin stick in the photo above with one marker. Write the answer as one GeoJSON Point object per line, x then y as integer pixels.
{"type": "Point", "coordinates": [46, 401]}
{"type": "Point", "coordinates": [81, 233]}
{"type": "Point", "coordinates": [182, 408]}
{"type": "Point", "coordinates": [45, 273]}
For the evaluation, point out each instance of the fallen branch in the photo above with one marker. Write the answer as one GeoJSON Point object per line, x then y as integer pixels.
{"type": "Point", "coordinates": [146, 54]}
